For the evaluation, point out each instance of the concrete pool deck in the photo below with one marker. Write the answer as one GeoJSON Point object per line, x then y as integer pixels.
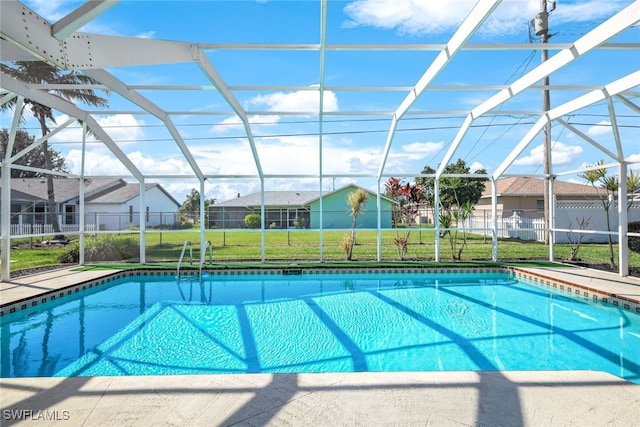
{"type": "Point", "coordinates": [556, 398]}
{"type": "Point", "coordinates": [371, 398]}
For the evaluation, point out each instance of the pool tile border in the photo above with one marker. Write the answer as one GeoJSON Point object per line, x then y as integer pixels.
{"type": "Point", "coordinates": [577, 290]}
{"type": "Point", "coordinates": [570, 288]}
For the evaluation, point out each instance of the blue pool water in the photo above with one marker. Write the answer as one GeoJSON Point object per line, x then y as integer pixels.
{"type": "Point", "coordinates": [318, 323]}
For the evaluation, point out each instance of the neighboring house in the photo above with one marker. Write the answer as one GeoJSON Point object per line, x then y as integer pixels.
{"type": "Point", "coordinates": [110, 204]}
{"type": "Point", "coordinates": [299, 209]}
{"type": "Point", "coordinates": [525, 196]}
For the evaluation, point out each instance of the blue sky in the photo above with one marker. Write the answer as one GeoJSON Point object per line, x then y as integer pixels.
{"type": "Point", "coordinates": [288, 144]}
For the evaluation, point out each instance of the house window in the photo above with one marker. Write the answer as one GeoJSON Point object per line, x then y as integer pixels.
{"type": "Point", "coordinates": [16, 210]}
{"type": "Point", "coordinates": [39, 216]}
{"type": "Point", "coordinates": [70, 214]}
{"type": "Point", "coordinates": [147, 215]}
{"type": "Point", "coordinates": [540, 205]}
{"type": "Point", "coordinates": [130, 213]}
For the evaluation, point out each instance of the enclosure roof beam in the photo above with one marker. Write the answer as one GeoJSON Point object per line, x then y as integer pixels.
{"type": "Point", "coordinates": [608, 29]}
{"type": "Point", "coordinates": [42, 139]}
{"type": "Point", "coordinates": [79, 17]}
{"type": "Point", "coordinates": [209, 70]}
{"type": "Point", "coordinates": [40, 40]}
{"type": "Point", "coordinates": [120, 88]}
{"type": "Point", "coordinates": [614, 128]}
{"type": "Point", "coordinates": [66, 107]}
{"type": "Point", "coordinates": [611, 89]}
{"type": "Point", "coordinates": [462, 131]}
{"type": "Point", "coordinates": [476, 17]}
{"type": "Point", "coordinates": [25, 28]}
{"type": "Point", "coordinates": [628, 103]}
{"type": "Point", "coordinates": [586, 138]}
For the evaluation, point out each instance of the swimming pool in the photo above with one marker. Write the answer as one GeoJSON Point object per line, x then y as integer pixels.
{"type": "Point", "coordinates": [318, 323]}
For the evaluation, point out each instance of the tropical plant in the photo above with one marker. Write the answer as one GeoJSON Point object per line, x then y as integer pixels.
{"type": "Point", "coordinates": [575, 239]}
{"type": "Point", "coordinates": [610, 184]}
{"type": "Point", "coordinates": [406, 198]}
{"type": "Point", "coordinates": [41, 73]}
{"type": "Point", "coordinates": [356, 200]}
{"type": "Point", "coordinates": [633, 187]}
{"type": "Point", "coordinates": [454, 220]}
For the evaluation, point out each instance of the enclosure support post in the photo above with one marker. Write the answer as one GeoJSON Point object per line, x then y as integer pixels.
{"type": "Point", "coordinates": [436, 215]}
{"type": "Point", "coordinates": [81, 210]}
{"type": "Point", "coordinates": [552, 220]}
{"type": "Point", "coordinates": [262, 251]}
{"type": "Point", "coordinates": [202, 227]}
{"type": "Point", "coordinates": [494, 222]}
{"type": "Point", "coordinates": [379, 222]}
{"type": "Point", "coordinates": [81, 224]}
{"type": "Point", "coordinates": [6, 220]}
{"type": "Point", "coordinates": [623, 224]}
{"type": "Point", "coordinates": [5, 198]}
{"type": "Point", "coordinates": [143, 222]}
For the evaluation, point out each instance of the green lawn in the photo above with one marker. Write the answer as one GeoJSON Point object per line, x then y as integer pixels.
{"type": "Point", "coordinates": [303, 245]}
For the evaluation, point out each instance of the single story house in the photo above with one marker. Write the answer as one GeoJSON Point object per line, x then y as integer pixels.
{"type": "Point", "coordinates": [110, 204]}
{"type": "Point", "coordinates": [525, 196]}
{"type": "Point", "coordinates": [300, 209]}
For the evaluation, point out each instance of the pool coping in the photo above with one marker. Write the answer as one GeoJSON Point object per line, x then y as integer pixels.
{"type": "Point", "coordinates": [604, 287]}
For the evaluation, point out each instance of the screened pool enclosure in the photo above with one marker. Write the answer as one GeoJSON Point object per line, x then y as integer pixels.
{"type": "Point", "coordinates": [244, 97]}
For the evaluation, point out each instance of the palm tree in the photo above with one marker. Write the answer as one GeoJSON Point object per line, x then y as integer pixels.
{"type": "Point", "coordinates": [38, 72]}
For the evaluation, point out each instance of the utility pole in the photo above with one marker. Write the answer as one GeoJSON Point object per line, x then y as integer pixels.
{"type": "Point", "coordinates": [541, 26]}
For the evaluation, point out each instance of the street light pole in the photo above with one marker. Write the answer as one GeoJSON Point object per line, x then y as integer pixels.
{"type": "Point", "coordinates": [541, 25]}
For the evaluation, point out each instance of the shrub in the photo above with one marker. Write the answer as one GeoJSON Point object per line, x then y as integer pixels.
{"type": "Point", "coordinates": [70, 254]}
{"type": "Point", "coordinates": [105, 248]}
{"type": "Point", "coordinates": [252, 220]}
{"type": "Point", "coordinates": [634, 242]}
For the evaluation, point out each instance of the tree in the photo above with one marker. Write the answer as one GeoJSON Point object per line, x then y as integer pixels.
{"type": "Point", "coordinates": [190, 209]}
{"type": "Point", "coordinates": [453, 190]}
{"type": "Point", "coordinates": [37, 72]}
{"type": "Point", "coordinates": [356, 201]}
{"type": "Point", "coordinates": [611, 184]}
{"type": "Point", "coordinates": [34, 158]}
{"type": "Point", "coordinates": [457, 197]}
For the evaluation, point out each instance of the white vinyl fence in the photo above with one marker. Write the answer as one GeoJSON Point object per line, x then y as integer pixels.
{"type": "Point", "coordinates": [511, 227]}
{"type": "Point", "coordinates": [568, 215]}
{"type": "Point", "coordinates": [31, 229]}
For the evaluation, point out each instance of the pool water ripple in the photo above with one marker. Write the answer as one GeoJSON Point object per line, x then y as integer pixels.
{"type": "Point", "coordinates": [319, 323]}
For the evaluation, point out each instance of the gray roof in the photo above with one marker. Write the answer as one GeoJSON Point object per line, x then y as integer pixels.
{"type": "Point", "coordinates": [65, 189]}
{"type": "Point", "coordinates": [275, 199]}
{"type": "Point", "coordinates": [97, 190]}
{"type": "Point", "coordinates": [271, 199]}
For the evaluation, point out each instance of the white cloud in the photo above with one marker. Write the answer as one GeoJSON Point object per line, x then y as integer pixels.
{"type": "Point", "coordinates": [52, 10]}
{"type": "Point", "coordinates": [423, 148]}
{"type": "Point", "coordinates": [634, 158]}
{"type": "Point", "coordinates": [561, 154]}
{"type": "Point", "coordinates": [301, 100]}
{"type": "Point", "coordinates": [100, 162]}
{"type": "Point", "coordinates": [601, 128]}
{"type": "Point", "coordinates": [120, 127]}
{"type": "Point", "coordinates": [234, 123]}
{"type": "Point", "coordinates": [424, 17]}
{"type": "Point", "coordinates": [476, 166]}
